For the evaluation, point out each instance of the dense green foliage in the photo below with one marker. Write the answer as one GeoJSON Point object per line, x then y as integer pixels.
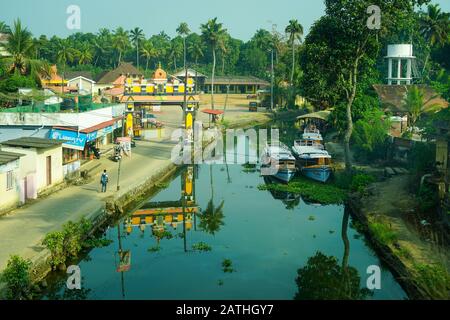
{"type": "Point", "coordinates": [322, 278]}
{"type": "Point", "coordinates": [371, 135]}
{"type": "Point", "coordinates": [16, 276]}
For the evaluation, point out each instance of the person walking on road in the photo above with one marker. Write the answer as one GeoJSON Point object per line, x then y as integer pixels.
{"type": "Point", "coordinates": [104, 180]}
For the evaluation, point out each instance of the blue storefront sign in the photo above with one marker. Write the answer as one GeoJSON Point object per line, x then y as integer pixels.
{"type": "Point", "coordinates": [74, 140]}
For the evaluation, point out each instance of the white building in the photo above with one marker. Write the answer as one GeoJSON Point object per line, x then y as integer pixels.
{"type": "Point", "coordinates": [41, 165]}
{"type": "Point", "coordinates": [10, 185]}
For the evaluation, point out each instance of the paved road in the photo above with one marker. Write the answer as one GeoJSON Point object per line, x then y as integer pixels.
{"type": "Point", "coordinates": [22, 231]}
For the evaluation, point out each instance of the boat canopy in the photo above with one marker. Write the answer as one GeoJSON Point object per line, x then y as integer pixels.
{"type": "Point", "coordinates": [323, 115]}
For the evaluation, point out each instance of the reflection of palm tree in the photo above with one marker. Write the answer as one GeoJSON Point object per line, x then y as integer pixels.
{"type": "Point", "coordinates": [212, 217]}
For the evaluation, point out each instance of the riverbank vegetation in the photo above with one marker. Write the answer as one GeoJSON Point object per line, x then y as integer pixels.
{"type": "Point", "coordinates": [310, 190]}
{"type": "Point", "coordinates": [68, 243]}
{"type": "Point", "coordinates": [17, 279]}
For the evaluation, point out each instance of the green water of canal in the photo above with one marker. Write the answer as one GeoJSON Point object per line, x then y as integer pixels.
{"type": "Point", "coordinates": [266, 236]}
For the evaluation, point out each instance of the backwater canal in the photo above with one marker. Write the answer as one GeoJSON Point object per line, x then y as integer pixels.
{"type": "Point", "coordinates": [236, 242]}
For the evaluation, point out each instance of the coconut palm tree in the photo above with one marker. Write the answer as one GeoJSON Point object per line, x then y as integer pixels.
{"type": "Point", "coordinates": [136, 35]}
{"type": "Point", "coordinates": [121, 42]}
{"type": "Point", "coordinates": [195, 50]}
{"type": "Point", "coordinates": [148, 51]}
{"type": "Point", "coordinates": [4, 28]}
{"type": "Point", "coordinates": [183, 31]}
{"type": "Point", "coordinates": [84, 54]}
{"type": "Point", "coordinates": [64, 54]}
{"type": "Point", "coordinates": [212, 34]}
{"type": "Point", "coordinates": [435, 27]}
{"type": "Point", "coordinates": [295, 32]}
{"type": "Point", "coordinates": [20, 46]}
{"type": "Point", "coordinates": [176, 50]}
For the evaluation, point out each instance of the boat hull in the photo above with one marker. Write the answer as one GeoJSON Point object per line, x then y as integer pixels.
{"type": "Point", "coordinates": [321, 174]}
{"type": "Point", "coordinates": [284, 175]}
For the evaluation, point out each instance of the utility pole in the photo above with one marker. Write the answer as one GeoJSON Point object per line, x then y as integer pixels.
{"type": "Point", "coordinates": [272, 82]}
{"type": "Point", "coordinates": [184, 218]}
{"type": "Point", "coordinates": [118, 173]}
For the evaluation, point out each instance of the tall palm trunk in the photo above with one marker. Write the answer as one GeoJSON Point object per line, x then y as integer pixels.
{"type": "Point", "coordinates": [293, 63]}
{"type": "Point", "coordinates": [184, 54]}
{"type": "Point", "coordinates": [212, 76]}
{"type": "Point", "coordinates": [137, 53]}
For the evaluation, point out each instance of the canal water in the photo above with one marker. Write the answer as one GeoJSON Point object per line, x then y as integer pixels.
{"type": "Point", "coordinates": [229, 240]}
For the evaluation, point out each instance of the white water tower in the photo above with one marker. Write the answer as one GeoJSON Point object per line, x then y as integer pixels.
{"type": "Point", "coordinates": [401, 64]}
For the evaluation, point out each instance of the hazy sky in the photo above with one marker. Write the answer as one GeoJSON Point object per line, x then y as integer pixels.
{"type": "Point", "coordinates": [241, 17]}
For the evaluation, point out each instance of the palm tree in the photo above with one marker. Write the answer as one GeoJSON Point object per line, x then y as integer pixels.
{"type": "Point", "coordinates": [20, 46]}
{"type": "Point", "coordinates": [212, 34]}
{"type": "Point", "coordinates": [4, 28]}
{"type": "Point", "coordinates": [84, 54]}
{"type": "Point", "coordinates": [434, 26]}
{"type": "Point", "coordinates": [183, 31]}
{"type": "Point", "coordinates": [295, 32]}
{"type": "Point", "coordinates": [136, 35]}
{"type": "Point", "coordinates": [148, 51]}
{"type": "Point", "coordinates": [121, 42]}
{"type": "Point", "coordinates": [176, 50]}
{"type": "Point", "coordinates": [195, 51]}
{"type": "Point", "coordinates": [64, 54]}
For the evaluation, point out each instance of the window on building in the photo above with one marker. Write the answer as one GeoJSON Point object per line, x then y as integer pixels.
{"type": "Point", "coordinates": [9, 180]}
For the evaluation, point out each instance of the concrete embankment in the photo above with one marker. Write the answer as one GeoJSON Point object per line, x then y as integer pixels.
{"type": "Point", "coordinates": [140, 175]}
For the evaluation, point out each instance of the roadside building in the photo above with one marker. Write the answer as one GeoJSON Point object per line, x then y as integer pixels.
{"type": "Point", "coordinates": [41, 166]}
{"type": "Point", "coordinates": [199, 78]}
{"type": "Point", "coordinates": [236, 84]}
{"type": "Point", "coordinates": [392, 99]}
{"type": "Point", "coordinates": [115, 80]}
{"type": "Point", "coordinates": [56, 82]}
{"type": "Point", "coordinates": [82, 80]}
{"type": "Point", "coordinates": [94, 125]}
{"type": "Point", "coordinates": [10, 187]}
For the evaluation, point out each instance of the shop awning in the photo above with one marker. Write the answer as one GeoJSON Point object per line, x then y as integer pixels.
{"type": "Point", "coordinates": [77, 139]}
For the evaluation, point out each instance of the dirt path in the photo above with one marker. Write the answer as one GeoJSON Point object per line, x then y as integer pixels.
{"type": "Point", "coordinates": [392, 199]}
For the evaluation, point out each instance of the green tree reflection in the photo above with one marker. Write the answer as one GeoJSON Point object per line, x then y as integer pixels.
{"type": "Point", "coordinates": [324, 279]}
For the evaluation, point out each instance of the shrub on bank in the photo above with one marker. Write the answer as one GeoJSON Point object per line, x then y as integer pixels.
{"type": "Point", "coordinates": [16, 276]}
{"type": "Point", "coordinates": [383, 232]}
{"type": "Point", "coordinates": [433, 280]}
{"type": "Point", "coordinates": [67, 244]}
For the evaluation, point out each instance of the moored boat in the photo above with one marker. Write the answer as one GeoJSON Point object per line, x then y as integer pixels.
{"type": "Point", "coordinates": [314, 163]}
{"type": "Point", "coordinates": [278, 162]}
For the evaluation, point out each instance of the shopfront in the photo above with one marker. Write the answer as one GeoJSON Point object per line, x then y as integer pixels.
{"type": "Point", "coordinates": [82, 144]}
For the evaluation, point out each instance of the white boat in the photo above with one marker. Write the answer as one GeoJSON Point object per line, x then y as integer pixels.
{"type": "Point", "coordinates": [314, 163]}
{"type": "Point", "coordinates": [313, 160]}
{"type": "Point", "coordinates": [278, 161]}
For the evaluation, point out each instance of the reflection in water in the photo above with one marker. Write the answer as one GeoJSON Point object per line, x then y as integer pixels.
{"type": "Point", "coordinates": [290, 200]}
{"type": "Point", "coordinates": [267, 254]}
{"type": "Point", "coordinates": [212, 217]}
{"type": "Point", "coordinates": [324, 279]}
{"type": "Point", "coordinates": [165, 217]}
